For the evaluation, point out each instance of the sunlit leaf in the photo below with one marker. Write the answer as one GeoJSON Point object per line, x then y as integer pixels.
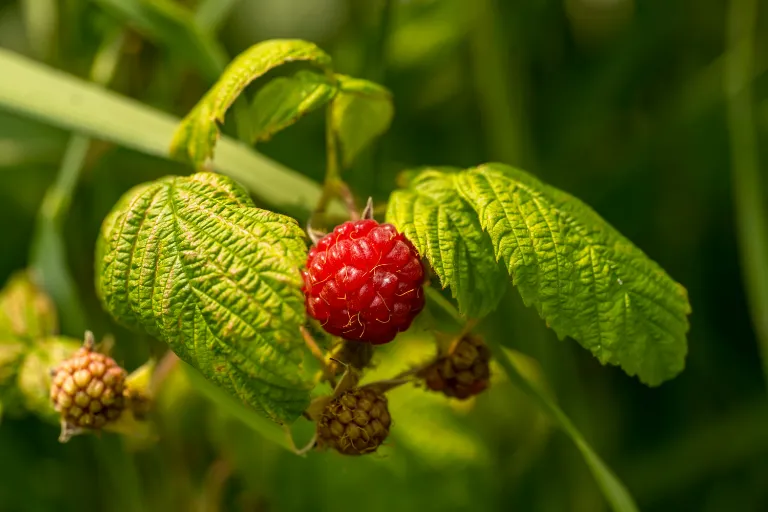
{"type": "Point", "coordinates": [584, 278]}
{"type": "Point", "coordinates": [361, 111]}
{"type": "Point", "coordinates": [447, 232]}
{"type": "Point", "coordinates": [198, 133]}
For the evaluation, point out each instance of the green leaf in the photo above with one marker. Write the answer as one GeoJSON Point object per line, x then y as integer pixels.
{"type": "Point", "coordinates": [446, 231]}
{"type": "Point", "coordinates": [285, 100]}
{"type": "Point", "coordinates": [585, 279]}
{"type": "Point", "coordinates": [198, 133]}
{"type": "Point", "coordinates": [361, 111]}
{"type": "Point", "coordinates": [193, 262]}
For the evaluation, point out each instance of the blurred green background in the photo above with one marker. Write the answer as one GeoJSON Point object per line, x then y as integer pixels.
{"type": "Point", "coordinates": [619, 102]}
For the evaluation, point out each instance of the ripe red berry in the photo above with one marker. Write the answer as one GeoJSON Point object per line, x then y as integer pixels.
{"type": "Point", "coordinates": [363, 282]}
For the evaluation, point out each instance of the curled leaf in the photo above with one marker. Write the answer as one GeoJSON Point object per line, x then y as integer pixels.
{"type": "Point", "coordinates": [196, 136]}
{"type": "Point", "coordinates": [285, 100]}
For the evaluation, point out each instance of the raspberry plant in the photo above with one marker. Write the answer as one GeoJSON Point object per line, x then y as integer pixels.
{"type": "Point", "coordinates": [192, 261]}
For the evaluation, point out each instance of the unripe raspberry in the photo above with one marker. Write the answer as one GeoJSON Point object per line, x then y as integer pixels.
{"type": "Point", "coordinates": [87, 390]}
{"type": "Point", "coordinates": [363, 282]}
{"type": "Point", "coordinates": [355, 423]}
{"type": "Point", "coordinates": [463, 372]}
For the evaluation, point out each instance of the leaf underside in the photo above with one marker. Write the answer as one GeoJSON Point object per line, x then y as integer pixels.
{"type": "Point", "coordinates": [194, 263]}
{"type": "Point", "coordinates": [285, 100]}
{"type": "Point", "coordinates": [584, 278]}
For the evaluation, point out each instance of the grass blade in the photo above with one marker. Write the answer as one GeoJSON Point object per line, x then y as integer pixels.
{"type": "Point", "coordinates": [613, 490]}
{"type": "Point", "coordinates": [748, 190]}
{"type": "Point", "coordinates": [68, 102]}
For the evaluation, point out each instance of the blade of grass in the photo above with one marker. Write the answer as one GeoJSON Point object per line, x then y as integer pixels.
{"type": "Point", "coordinates": [176, 28]}
{"type": "Point", "coordinates": [212, 13]}
{"type": "Point", "coordinates": [613, 490]}
{"type": "Point", "coordinates": [173, 27]}
{"type": "Point", "coordinates": [41, 20]}
{"type": "Point", "coordinates": [748, 189]}
{"type": "Point", "coordinates": [48, 257]}
{"type": "Point", "coordinates": [68, 102]}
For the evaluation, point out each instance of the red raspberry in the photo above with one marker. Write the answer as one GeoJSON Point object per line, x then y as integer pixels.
{"type": "Point", "coordinates": [364, 282]}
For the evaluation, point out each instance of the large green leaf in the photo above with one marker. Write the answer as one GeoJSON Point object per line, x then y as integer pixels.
{"type": "Point", "coordinates": [361, 111]}
{"type": "Point", "coordinates": [585, 279]}
{"type": "Point", "coordinates": [198, 133]}
{"type": "Point", "coordinates": [284, 100]}
{"type": "Point", "coordinates": [194, 263]}
{"type": "Point", "coordinates": [447, 232]}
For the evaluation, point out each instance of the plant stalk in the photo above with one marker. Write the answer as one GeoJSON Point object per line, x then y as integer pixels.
{"type": "Point", "coordinates": [748, 186]}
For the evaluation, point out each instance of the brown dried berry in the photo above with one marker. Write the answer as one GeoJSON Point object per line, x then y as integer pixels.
{"type": "Point", "coordinates": [463, 372]}
{"type": "Point", "coordinates": [355, 423]}
{"type": "Point", "coordinates": [87, 390]}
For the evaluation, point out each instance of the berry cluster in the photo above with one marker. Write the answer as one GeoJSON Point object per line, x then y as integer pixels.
{"type": "Point", "coordinates": [87, 389]}
{"type": "Point", "coordinates": [355, 423]}
{"type": "Point", "coordinates": [363, 282]}
{"type": "Point", "coordinates": [463, 372]}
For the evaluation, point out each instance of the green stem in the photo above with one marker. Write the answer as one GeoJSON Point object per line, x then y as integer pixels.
{"type": "Point", "coordinates": [333, 187]}
{"type": "Point", "coordinates": [748, 188]}
{"type": "Point", "coordinates": [614, 491]}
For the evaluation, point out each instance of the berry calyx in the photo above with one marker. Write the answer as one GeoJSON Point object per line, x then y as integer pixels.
{"type": "Point", "coordinates": [363, 282]}
{"type": "Point", "coordinates": [355, 423]}
{"type": "Point", "coordinates": [87, 390]}
{"type": "Point", "coordinates": [463, 372]}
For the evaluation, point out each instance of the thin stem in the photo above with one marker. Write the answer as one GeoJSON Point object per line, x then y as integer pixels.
{"type": "Point", "coordinates": [444, 304]}
{"type": "Point", "coordinates": [327, 372]}
{"type": "Point", "coordinates": [332, 170]}
{"type": "Point", "coordinates": [748, 189]}
{"type": "Point", "coordinates": [613, 490]}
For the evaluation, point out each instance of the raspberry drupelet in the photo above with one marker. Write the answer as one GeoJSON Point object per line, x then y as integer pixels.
{"type": "Point", "coordinates": [364, 281]}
